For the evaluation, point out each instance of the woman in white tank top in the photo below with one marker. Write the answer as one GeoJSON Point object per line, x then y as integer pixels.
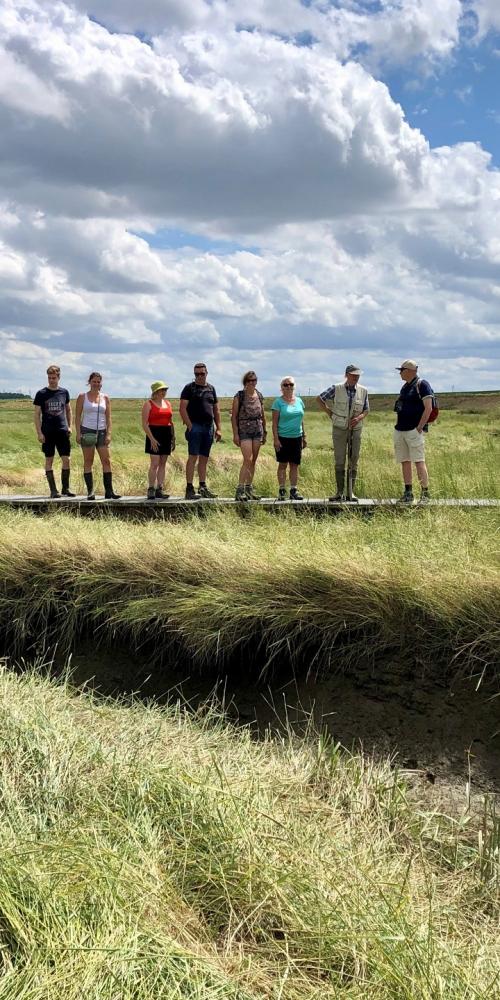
{"type": "Point", "coordinates": [93, 430]}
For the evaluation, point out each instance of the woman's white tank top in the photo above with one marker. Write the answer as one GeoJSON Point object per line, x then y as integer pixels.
{"type": "Point", "coordinates": [89, 413]}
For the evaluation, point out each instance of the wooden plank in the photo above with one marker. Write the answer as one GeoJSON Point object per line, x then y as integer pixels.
{"type": "Point", "coordinates": [179, 504]}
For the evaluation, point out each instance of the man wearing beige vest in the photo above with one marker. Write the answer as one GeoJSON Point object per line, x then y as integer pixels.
{"type": "Point", "coordinates": [347, 410]}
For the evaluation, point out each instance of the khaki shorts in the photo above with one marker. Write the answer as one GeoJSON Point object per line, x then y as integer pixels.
{"type": "Point", "coordinates": [409, 446]}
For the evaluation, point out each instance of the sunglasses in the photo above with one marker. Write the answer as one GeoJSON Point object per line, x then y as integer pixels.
{"type": "Point", "coordinates": [288, 385]}
{"type": "Point", "coordinates": [251, 379]}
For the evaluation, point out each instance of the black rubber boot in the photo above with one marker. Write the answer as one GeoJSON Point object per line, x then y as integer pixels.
{"type": "Point", "coordinates": [89, 483]}
{"type": "Point", "coordinates": [54, 492]}
{"type": "Point", "coordinates": [65, 483]}
{"type": "Point", "coordinates": [109, 494]}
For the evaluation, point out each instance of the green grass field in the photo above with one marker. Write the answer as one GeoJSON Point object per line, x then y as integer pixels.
{"type": "Point", "coordinates": [157, 852]}
{"type": "Point", "coordinates": [463, 452]}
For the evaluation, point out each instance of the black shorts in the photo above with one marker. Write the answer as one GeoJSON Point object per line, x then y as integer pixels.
{"type": "Point", "coordinates": [290, 450]}
{"type": "Point", "coordinates": [164, 437]}
{"type": "Point", "coordinates": [59, 441]}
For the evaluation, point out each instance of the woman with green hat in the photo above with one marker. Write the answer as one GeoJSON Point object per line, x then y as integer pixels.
{"type": "Point", "coordinates": [158, 427]}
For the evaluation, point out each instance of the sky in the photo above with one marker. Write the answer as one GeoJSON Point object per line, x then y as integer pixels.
{"type": "Point", "coordinates": [288, 187]}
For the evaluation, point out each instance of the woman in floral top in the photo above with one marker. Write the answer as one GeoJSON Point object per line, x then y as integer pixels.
{"type": "Point", "coordinates": [249, 432]}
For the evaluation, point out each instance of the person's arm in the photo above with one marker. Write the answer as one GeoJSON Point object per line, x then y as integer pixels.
{"type": "Point", "coordinates": [276, 439]}
{"type": "Point", "coordinates": [183, 405]}
{"type": "Point", "coordinates": [218, 432]}
{"type": "Point", "coordinates": [304, 439]}
{"type": "Point", "coordinates": [38, 424]}
{"type": "Point", "coordinates": [78, 417]}
{"type": "Point", "coordinates": [322, 405]}
{"type": "Point", "coordinates": [264, 423]}
{"type": "Point", "coordinates": [145, 426]}
{"type": "Point", "coordinates": [69, 417]}
{"type": "Point", "coordinates": [361, 416]}
{"type": "Point", "coordinates": [427, 401]}
{"type": "Point", "coordinates": [235, 409]}
{"type": "Point", "coordinates": [107, 439]}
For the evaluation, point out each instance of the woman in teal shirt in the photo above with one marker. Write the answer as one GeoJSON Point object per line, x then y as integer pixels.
{"type": "Point", "coordinates": [289, 436]}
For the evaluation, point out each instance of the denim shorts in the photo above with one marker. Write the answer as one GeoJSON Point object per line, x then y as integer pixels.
{"type": "Point", "coordinates": [200, 439]}
{"type": "Point", "coordinates": [101, 435]}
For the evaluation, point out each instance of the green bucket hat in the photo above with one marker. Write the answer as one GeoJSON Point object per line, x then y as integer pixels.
{"type": "Point", "coordinates": [155, 386]}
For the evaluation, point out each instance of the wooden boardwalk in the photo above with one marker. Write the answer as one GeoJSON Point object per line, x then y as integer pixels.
{"type": "Point", "coordinates": [141, 507]}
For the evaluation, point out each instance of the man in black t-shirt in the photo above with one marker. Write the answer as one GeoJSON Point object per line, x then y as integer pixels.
{"type": "Point", "coordinates": [199, 410]}
{"type": "Point", "coordinates": [413, 408]}
{"type": "Point", "coordinates": [53, 429]}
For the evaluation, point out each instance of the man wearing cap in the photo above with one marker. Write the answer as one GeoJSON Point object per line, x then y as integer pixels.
{"type": "Point", "coordinates": [413, 408]}
{"type": "Point", "coordinates": [199, 410]}
{"type": "Point", "coordinates": [347, 410]}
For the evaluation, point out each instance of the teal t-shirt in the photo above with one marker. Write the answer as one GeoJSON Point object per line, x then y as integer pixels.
{"type": "Point", "coordinates": [290, 417]}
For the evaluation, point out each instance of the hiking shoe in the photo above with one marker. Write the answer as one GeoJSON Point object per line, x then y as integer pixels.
{"type": "Point", "coordinates": [90, 496]}
{"type": "Point", "coordinates": [338, 498]}
{"type": "Point", "coordinates": [67, 493]}
{"type": "Point", "coordinates": [191, 493]}
{"type": "Point", "coordinates": [111, 495]}
{"type": "Point", "coordinates": [160, 495]}
{"type": "Point", "coordinates": [206, 493]}
{"type": "Point", "coordinates": [424, 497]}
{"type": "Point", "coordinates": [353, 498]}
{"type": "Point", "coordinates": [282, 493]}
{"type": "Point", "coordinates": [55, 495]}
{"type": "Point", "coordinates": [295, 495]}
{"type": "Point", "coordinates": [241, 493]}
{"type": "Point", "coordinates": [251, 494]}
{"type": "Point", "coordinates": [151, 494]}
{"type": "Point", "coordinates": [406, 498]}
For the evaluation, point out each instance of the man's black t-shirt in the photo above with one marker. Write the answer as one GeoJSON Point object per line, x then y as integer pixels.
{"type": "Point", "coordinates": [201, 401]}
{"type": "Point", "coordinates": [409, 406]}
{"type": "Point", "coordinates": [52, 403]}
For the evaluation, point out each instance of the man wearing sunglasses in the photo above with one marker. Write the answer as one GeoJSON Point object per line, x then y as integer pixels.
{"type": "Point", "coordinates": [413, 407]}
{"type": "Point", "coordinates": [199, 410]}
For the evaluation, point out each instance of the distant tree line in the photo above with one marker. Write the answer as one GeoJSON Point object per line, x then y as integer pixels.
{"type": "Point", "coordinates": [14, 395]}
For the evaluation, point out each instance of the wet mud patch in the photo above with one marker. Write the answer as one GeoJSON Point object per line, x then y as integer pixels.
{"type": "Point", "coordinates": [445, 738]}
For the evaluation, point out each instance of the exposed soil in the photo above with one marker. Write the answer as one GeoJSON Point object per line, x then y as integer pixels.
{"type": "Point", "coordinates": [446, 739]}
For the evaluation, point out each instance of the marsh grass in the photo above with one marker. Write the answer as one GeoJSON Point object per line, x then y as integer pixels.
{"type": "Point", "coordinates": [463, 452]}
{"type": "Point", "coordinates": [147, 853]}
{"type": "Point", "coordinates": [301, 594]}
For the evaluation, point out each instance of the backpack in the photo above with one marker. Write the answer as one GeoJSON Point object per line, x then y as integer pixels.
{"type": "Point", "coordinates": [434, 414]}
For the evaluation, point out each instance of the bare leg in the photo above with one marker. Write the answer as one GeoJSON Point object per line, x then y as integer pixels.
{"type": "Point", "coordinates": [160, 475]}
{"type": "Point", "coordinates": [105, 459]}
{"type": "Point", "coordinates": [49, 463]}
{"type": "Point", "coordinates": [407, 473]}
{"type": "Point", "coordinates": [255, 454]}
{"type": "Point", "coordinates": [202, 467]}
{"type": "Point", "coordinates": [423, 475]}
{"type": "Point", "coordinates": [88, 459]}
{"type": "Point", "coordinates": [246, 471]}
{"type": "Point", "coordinates": [153, 469]}
{"type": "Point", "coordinates": [190, 467]}
{"type": "Point", "coordinates": [282, 473]}
{"type": "Point", "coordinates": [294, 474]}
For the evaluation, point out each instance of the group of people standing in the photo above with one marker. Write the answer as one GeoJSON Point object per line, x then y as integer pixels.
{"type": "Point", "coordinates": [345, 403]}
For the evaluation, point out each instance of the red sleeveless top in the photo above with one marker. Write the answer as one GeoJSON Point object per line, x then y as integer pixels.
{"type": "Point", "coordinates": [160, 416]}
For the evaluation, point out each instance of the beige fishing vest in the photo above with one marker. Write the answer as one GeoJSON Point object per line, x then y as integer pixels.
{"type": "Point", "coordinates": [340, 409]}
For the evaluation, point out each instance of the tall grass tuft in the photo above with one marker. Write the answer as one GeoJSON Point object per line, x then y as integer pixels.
{"type": "Point", "coordinates": [147, 854]}
{"type": "Point", "coordinates": [308, 595]}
